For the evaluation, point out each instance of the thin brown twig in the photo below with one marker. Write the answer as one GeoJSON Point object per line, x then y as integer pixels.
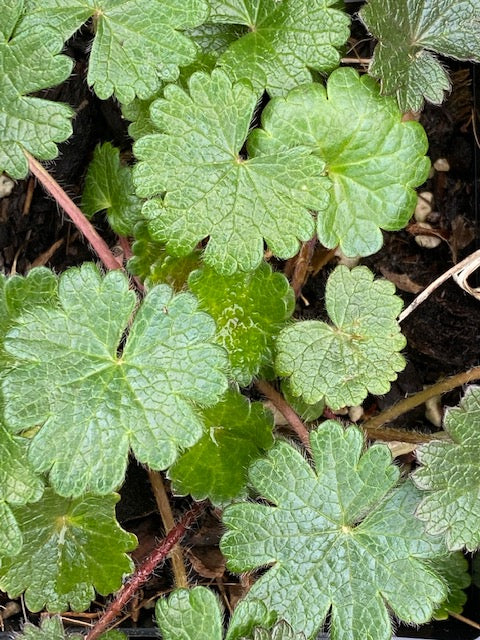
{"type": "Point", "coordinates": [163, 504]}
{"type": "Point", "coordinates": [419, 398]}
{"type": "Point", "coordinates": [144, 571]}
{"type": "Point", "coordinates": [80, 221]}
{"type": "Point", "coordinates": [290, 415]}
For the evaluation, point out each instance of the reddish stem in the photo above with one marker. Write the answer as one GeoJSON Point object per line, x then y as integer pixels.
{"type": "Point", "coordinates": [282, 405]}
{"type": "Point", "coordinates": [78, 218]}
{"type": "Point", "coordinates": [144, 571]}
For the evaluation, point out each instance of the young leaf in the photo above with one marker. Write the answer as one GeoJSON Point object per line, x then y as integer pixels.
{"type": "Point", "coordinates": [286, 40]}
{"type": "Point", "coordinates": [29, 63]}
{"type": "Point", "coordinates": [71, 547]}
{"type": "Point", "coordinates": [90, 402]}
{"type": "Point", "coordinates": [373, 160]}
{"type": "Point", "coordinates": [190, 614]}
{"type": "Point", "coordinates": [281, 631]}
{"type": "Point", "coordinates": [338, 538]}
{"type": "Point", "coordinates": [450, 474]}
{"type": "Point", "coordinates": [137, 42]}
{"type": "Point", "coordinates": [454, 569]}
{"type": "Point", "coordinates": [18, 485]}
{"type": "Point", "coordinates": [153, 265]}
{"type": "Point", "coordinates": [355, 355]}
{"type": "Point", "coordinates": [109, 186]}
{"type": "Point", "coordinates": [409, 34]}
{"type": "Point", "coordinates": [239, 304]}
{"type": "Point", "coordinates": [52, 629]}
{"type": "Point", "coordinates": [236, 433]}
{"type": "Point", "coordinates": [210, 190]}
{"type": "Point", "coordinates": [196, 614]}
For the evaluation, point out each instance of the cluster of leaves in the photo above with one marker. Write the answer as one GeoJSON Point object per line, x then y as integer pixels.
{"type": "Point", "coordinates": [91, 372]}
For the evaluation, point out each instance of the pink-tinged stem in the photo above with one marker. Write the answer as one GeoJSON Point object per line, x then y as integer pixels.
{"type": "Point", "coordinates": [78, 218]}
{"type": "Point", "coordinates": [143, 572]}
{"type": "Point", "coordinates": [286, 410]}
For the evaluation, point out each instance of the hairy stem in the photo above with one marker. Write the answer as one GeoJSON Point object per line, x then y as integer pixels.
{"type": "Point", "coordinates": [163, 504]}
{"type": "Point", "coordinates": [78, 218]}
{"type": "Point", "coordinates": [286, 410]}
{"type": "Point", "coordinates": [144, 571]}
{"type": "Point", "coordinates": [419, 398]}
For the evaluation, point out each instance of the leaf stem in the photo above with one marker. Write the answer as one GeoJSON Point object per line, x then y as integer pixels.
{"type": "Point", "coordinates": [163, 504]}
{"type": "Point", "coordinates": [78, 218]}
{"type": "Point", "coordinates": [290, 415]}
{"type": "Point", "coordinates": [144, 571]}
{"type": "Point", "coordinates": [419, 398]}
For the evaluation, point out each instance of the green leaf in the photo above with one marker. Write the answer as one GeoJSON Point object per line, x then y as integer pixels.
{"type": "Point", "coordinates": [238, 304]}
{"type": "Point", "coordinates": [29, 63]}
{"type": "Point", "coordinates": [52, 629]}
{"type": "Point", "coordinates": [18, 485]}
{"type": "Point", "coordinates": [210, 190]}
{"type": "Point", "coordinates": [454, 569]}
{"type": "Point", "coordinates": [281, 631]}
{"type": "Point", "coordinates": [307, 412]}
{"type": "Point", "coordinates": [109, 186]}
{"type": "Point", "coordinates": [137, 43]}
{"type": "Point", "coordinates": [409, 34]}
{"type": "Point", "coordinates": [286, 40]}
{"type": "Point", "coordinates": [71, 547]}
{"type": "Point", "coordinates": [190, 614]}
{"type": "Point", "coordinates": [91, 403]}
{"type": "Point", "coordinates": [339, 538]}
{"type": "Point", "coordinates": [373, 160]}
{"type": "Point", "coordinates": [236, 433]}
{"type": "Point", "coordinates": [450, 474]}
{"type": "Point", "coordinates": [355, 355]}
{"type": "Point", "coordinates": [153, 265]}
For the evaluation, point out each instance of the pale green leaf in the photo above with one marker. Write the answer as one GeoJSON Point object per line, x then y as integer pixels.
{"type": "Point", "coordinates": [190, 614]}
{"type": "Point", "coordinates": [210, 190]}
{"type": "Point", "coordinates": [91, 402]}
{"type": "Point", "coordinates": [137, 42]}
{"type": "Point", "coordinates": [52, 629]}
{"type": "Point", "coordinates": [307, 412]}
{"type": "Point", "coordinates": [236, 433]}
{"type": "Point", "coordinates": [454, 569]}
{"type": "Point", "coordinates": [29, 63]}
{"type": "Point", "coordinates": [109, 187]}
{"type": "Point", "coordinates": [152, 264]}
{"type": "Point", "coordinates": [355, 355]}
{"type": "Point", "coordinates": [373, 159]}
{"type": "Point", "coordinates": [281, 631]}
{"type": "Point", "coordinates": [285, 42]}
{"type": "Point", "coordinates": [18, 485]}
{"type": "Point", "coordinates": [71, 548]}
{"type": "Point", "coordinates": [410, 32]}
{"type": "Point", "coordinates": [249, 310]}
{"type": "Point", "coordinates": [340, 538]}
{"type": "Point", "coordinates": [450, 477]}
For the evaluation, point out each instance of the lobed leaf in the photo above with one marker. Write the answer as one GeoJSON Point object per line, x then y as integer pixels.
{"type": "Point", "coordinates": [211, 190]}
{"type": "Point", "coordinates": [454, 570]}
{"type": "Point", "coordinates": [340, 538]}
{"type": "Point", "coordinates": [239, 304]}
{"type": "Point", "coordinates": [29, 62]}
{"type": "Point", "coordinates": [52, 629]}
{"type": "Point", "coordinates": [91, 403]}
{"type": "Point", "coordinates": [137, 42]}
{"type": "Point", "coordinates": [236, 433]}
{"type": "Point", "coordinates": [373, 159]}
{"type": "Point", "coordinates": [409, 33]}
{"type": "Point", "coordinates": [71, 548]}
{"type": "Point", "coordinates": [355, 355]}
{"type": "Point", "coordinates": [450, 477]}
{"type": "Point", "coordinates": [109, 186]}
{"type": "Point", "coordinates": [281, 631]}
{"type": "Point", "coordinates": [285, 41]}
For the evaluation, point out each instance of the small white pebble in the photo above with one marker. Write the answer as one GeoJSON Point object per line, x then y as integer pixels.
{"type": "Point", "coordinates": [6, 186]}
{"type": "Point", "coordinates": [441, 164]}
{"type": "Point", "coordinates": [355, 413]}
{"type": "Point", "coordinates": [424, 206]}
{"type": "Point", "coordinates": [427, 242]}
